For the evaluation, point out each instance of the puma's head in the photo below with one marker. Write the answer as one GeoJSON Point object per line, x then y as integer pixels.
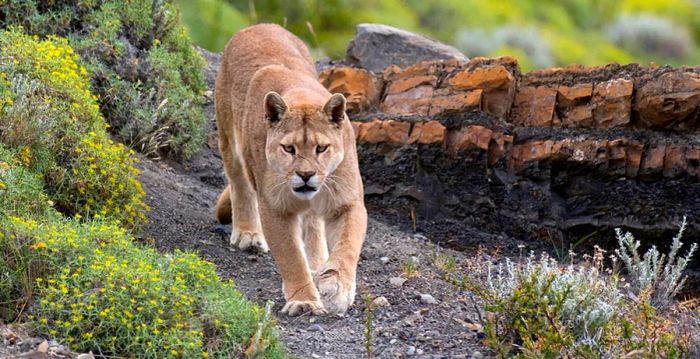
{"type": "Point", "coordinates": [304, 142]}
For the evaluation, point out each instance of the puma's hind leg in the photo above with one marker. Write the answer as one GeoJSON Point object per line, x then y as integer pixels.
{"type": "Point", "coordinates": [247, 231]}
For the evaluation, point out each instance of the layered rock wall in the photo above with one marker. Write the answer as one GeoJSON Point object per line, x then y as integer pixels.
{"type": "Point", "coordinates": [557, 154]}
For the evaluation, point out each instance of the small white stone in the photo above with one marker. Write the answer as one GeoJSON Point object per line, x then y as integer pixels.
{"type": "Point", "coordinates": [43, 347]}
{"type": "Point", "coordinates": [380, 302]}
{"type": "Point", "coordinates": [410, 350]}
{"type": "Point", "coordinates": [397, 281]}
{"type": "Point", "coordinates": [384, 260]}
{"type": "Point", "coordinates": [427, 299]}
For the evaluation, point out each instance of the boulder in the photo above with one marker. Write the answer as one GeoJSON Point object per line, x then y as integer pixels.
{"type": "Point", "coordinates": [376, 46]}
{"type": "Point", "coordinates": [669, 99]}
{"type": "Point", "coordinates": [360, 87]}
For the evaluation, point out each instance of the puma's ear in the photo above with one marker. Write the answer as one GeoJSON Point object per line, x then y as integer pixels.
{"type": "Point", "coordinates": [274, 107]}
{"type": "Point", "coordinates": [335, 108]}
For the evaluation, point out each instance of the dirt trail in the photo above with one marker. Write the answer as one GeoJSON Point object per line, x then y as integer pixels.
{"type": "Point", "coordinates": [182, 200]}
{"type": "Point", "coordinates": [181, 217]}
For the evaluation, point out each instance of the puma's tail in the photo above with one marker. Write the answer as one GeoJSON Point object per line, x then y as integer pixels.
{"type": "Point", "coordinates": [223, 206]}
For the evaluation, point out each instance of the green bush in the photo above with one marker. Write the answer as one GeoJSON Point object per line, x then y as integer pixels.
{"type": "Point", "coordinates": [21, 194]}
{"type": "Point", "coordinates": [147, 77]}
{"type": "Point", "coordinates": [49, 116]}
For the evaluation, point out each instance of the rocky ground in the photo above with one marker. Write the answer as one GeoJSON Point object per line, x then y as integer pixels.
{"type": "Point", "coordinates": [421, 314]}
{"type": "Point", "coordinates": [15, 342]}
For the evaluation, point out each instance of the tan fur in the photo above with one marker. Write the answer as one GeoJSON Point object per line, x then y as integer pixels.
{"type": "Point", "coordinates": [223, 207]}
{"type": "Point", "coordinates": [269, 102]}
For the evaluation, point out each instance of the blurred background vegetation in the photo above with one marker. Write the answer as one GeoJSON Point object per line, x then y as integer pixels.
{"type": "Point", "coordinates": [539, 33]}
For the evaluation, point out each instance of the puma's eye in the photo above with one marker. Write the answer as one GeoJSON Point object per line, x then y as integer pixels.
{"type": "Point", "coordinates": [289, 149]}
{"type": "Point", "coordinates": [321, 149]}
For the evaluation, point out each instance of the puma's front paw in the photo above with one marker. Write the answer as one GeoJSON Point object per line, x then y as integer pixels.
{"type": "Point", "coordinates": [297, 307]}
{"type": "Point", "coordinates": [252, 241]}
{"type": "Point", "coordinates": [336, 293]}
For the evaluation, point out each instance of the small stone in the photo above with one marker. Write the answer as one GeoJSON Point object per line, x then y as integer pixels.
{"type": "Point", "coordinates": [397, 281]}
{"type": "Point", "coordinates": [380, 302]}
{"type": "Point", "coordinates": [384, 260]}
{"type": "Point", "coordinates": [9, 335]}
{"type": "Point", "coordinates": [312, 320]}
{"type": "Point", "coordinates": [393, 341]}
{"type": "Point", "coordinates": [427, 299]}
{"type": "Point", "coordinates": [410, 350]}
{"type": "Point", "coordinates": [477, 355]}
{"type": "Point", "coordinates": [420, 237]}
{"type": "Point", "coordinates": [315, 328]}
{"type": "Point", "coordinates": [411, 319]}
{"type": "Point", "coordinates": [419, 351]}
{"type": "Point", "coordinates": [28, 344]}
{"type": "Point", "coordinates": [43, 347]}
{"type": "Point", "coordinates": [315, 356]}
{"type": "Point", "coordinates": [414, 260]}
{"type": "Point", "coordinates": [85, 356]}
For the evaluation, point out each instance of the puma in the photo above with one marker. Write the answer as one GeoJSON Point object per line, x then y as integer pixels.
{"type": "Point", "coordinates": [289, 154]}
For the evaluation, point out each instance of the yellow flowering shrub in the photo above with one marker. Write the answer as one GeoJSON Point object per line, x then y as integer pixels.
{"type": "Point", "coordinates": [47, 110]}
{"type": "Point", "coordinates": [102, 290]}
{"type": "Point", "coordinates": [143, 68]}
{"type": "Point", "coordinates": [88, 284]}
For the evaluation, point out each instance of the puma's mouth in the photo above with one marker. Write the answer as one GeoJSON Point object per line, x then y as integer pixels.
{"type": "Point", "coordinates": [305, 189]}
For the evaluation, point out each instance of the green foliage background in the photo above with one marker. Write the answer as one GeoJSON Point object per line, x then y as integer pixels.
{"type": "Point", "coordinates": [540, 33]}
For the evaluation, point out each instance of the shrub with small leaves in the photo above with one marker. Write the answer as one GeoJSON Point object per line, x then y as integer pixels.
{"type": "Point", "coordinates": [541, 309]}
{"type": "Point", "coordinates": [147, 77]}
{"type": "Point", "coordinates": [662, 276]}
{"type": "Point", "coordinates": [49, 115]}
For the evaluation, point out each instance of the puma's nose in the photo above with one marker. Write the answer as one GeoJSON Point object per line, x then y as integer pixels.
{"type": "Point", "coordinates": [306, 175]}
